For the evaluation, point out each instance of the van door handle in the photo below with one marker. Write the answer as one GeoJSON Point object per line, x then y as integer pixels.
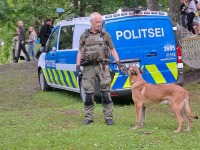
{"type": "Point", "coordinates": [151, 54]}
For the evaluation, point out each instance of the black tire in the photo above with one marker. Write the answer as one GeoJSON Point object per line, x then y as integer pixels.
{"type": "Point", "coordinates": [82, 92]}
{"type": "Point", "coordinates": [43, 83]}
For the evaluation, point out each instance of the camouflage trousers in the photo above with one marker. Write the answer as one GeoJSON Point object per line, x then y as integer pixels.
{"type": "Point", "coordinates": [88, 83]}
{"type": "Point", "coordinates": [90, 73]}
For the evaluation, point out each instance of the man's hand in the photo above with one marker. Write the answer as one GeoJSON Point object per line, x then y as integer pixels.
{"type": "Point", "coordinates": [79, 71]}
{"type": "Point", "coordinates": [122, 67]}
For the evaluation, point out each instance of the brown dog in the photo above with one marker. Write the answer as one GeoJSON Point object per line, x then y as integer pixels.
{"type": "Point", "coordinates": [145, 93]}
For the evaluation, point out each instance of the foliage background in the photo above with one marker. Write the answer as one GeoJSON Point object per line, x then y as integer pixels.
{"type": "Point", "coordinates": [34, 12]}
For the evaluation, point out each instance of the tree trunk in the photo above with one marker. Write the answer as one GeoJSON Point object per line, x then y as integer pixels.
{"type": "Point", "coordinates": [153, 5]}
{"type": "Point", "coordinates": [174, 10]}
{"type": "Point", "coordinates": [83, 5]}
{"type": "Point", "coordinates": [76, 11]}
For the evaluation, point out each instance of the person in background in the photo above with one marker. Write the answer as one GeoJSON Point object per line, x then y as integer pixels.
{"type": "Point", "coordinates": [31, 41]}
{"type": "Point", "coordinates": [44, 34]}
{"type": "Point", "coordinates": [22, 41]}
{"type": "Point", "coordinates": [196, 20]}
{"type": "Point", "coordinates": [15, 41]}
{"type": "Point", "coordinates": [90, 41]}
{"type": "Point", "coordinates": [190, 15]}
{"type": "Point", "coordinates": [183, 13]}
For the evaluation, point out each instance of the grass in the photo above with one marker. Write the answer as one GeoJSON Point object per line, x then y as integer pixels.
{"type": "Point", "coordinates": [52, 120]}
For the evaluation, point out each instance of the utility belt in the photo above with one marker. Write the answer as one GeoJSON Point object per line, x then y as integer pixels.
{"type": "Point", "coordinates": [87, 63]}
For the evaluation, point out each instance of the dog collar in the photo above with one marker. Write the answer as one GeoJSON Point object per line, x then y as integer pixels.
{"type": "Point", "coordinates": [133, 82]}
{"type": "Point", "coordinates": [137, 84]}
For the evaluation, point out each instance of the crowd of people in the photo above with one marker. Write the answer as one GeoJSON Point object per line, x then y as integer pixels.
{"type": "Point", "coordinates": [20, 41]}
{"type": "Point", "coordinates": [189, 14]}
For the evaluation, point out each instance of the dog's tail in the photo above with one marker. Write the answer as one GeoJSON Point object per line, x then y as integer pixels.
{"type": "Point", "coordinates": [187, 107]}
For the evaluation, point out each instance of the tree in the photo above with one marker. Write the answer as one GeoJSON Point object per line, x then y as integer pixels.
{"type": "Point", "coordinates": [31, 12]}
{"type": "Point", "coordinates": [153, 5]}
{"type": "Point", "coordinates": [174, 10]}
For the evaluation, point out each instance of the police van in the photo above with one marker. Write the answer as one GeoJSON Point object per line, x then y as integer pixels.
{"type": "Point", "coordinates": [146, 39]}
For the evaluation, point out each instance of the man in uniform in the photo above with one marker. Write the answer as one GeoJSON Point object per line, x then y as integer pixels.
{"type": "Point", "coordinates": [94, 49]}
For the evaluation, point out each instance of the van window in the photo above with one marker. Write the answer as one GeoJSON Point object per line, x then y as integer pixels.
{"type": "Point", "coordinates": [66, 37]}
{"type": "Point", "coordinates": [52, 40]}
{"type": "Point", "coordinates": [79, 29]}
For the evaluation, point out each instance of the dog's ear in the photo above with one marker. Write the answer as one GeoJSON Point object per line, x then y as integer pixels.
{"type": "Point", "coordinates": [133, 72]}
{"type": "Point", "coordinates": [141, 71]}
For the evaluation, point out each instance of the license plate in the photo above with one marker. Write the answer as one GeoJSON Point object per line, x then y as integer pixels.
{"type": "Point", "coordinates": [137, 64]}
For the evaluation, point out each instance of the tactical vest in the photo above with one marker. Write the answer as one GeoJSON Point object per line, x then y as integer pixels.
{"type": "Point", "coordinates": [94, 48]}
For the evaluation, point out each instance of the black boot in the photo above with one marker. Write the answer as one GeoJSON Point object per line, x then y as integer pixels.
{"type": "Point", "coordinates": [86, 122]}
{"type": "Point", "coordinates": [109, 122]}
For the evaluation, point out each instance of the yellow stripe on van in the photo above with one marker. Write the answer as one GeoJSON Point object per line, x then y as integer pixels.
{"type": "Point", "coordinates": [55, 76]}
{"type": "Point", "coordinates": [50, 75]}
{"type": "Point", "coordinates": [61, 78]}
{"type": "Point", "coordinates": [67, 79]}
{"type": "Point", "coordinates": [46, 75]}
{"type": "Point", "coordinates": [74, 79]}
{"type": "Point", "coordinates": [114, 79]}
{"type": "Point", "coordinates": [127, 83]}
{"type": "Point", "coordinates": [173, 68]}
{"type": "Point", "coordinates": [156, 74]}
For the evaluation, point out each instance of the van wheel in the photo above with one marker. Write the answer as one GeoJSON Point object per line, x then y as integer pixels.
{"type": "Point", "coordinates": [43, 83]}
{"type": "Point", "coordinates": [82, 92]}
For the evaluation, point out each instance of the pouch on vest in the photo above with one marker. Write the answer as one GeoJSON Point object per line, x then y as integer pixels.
{"type": "Point", "coordinates": [94, 49]}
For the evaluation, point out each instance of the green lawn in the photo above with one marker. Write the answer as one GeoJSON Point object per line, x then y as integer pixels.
{"type": "Point", "coordinates": [53, 121]}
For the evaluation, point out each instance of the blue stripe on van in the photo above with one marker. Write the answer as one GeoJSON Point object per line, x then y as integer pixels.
{"type": "Point", "coordinates": [45, 69]}
{"type": "Point", "coordinates": [148, 76]}
{"type": "Point", "coordinates": [53, 76]}
{"type": "Point", "coordinates": [66, 78]}
{"type": "Point", "coordinates": [167, 73]}
{"type": "Point", "coordinates": [120, 81]}
{"type": "Point", "coordinates": [58, 76]}
{"type": "Point", "coordinates": [71, 80]}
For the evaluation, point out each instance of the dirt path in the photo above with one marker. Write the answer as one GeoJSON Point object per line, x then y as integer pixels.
{"type": "Point", "coordinates": [192, 76]}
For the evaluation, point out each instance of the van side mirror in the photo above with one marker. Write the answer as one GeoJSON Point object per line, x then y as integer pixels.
{"type": "Point", "coordinates": [53, 49]}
